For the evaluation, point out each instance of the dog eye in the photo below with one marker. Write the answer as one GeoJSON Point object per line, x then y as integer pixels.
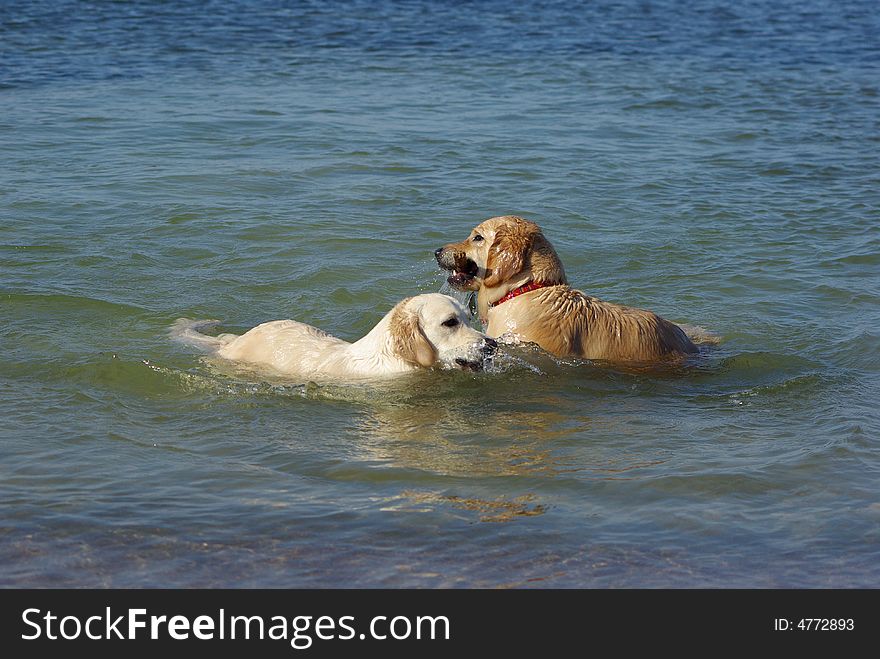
{"type": "Point", "coordinates": [478, 238]}
{"type": "Point", "coordinates": [452, 322]}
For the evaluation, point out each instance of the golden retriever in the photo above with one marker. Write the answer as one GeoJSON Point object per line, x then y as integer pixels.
{"type": "Point", "coordinates": [419, 332]}
{"type": "Point", "coordinates": [522, 291]}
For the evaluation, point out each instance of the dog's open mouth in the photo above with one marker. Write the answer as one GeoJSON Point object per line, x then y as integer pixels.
{"type": "Point", "coordinates": [461, 267]}
{"type": "Point", "coordinates": [467, 365]}
{"type": "Point", "coordinates": [462, 273]}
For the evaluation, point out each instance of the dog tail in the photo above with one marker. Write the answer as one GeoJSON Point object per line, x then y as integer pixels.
{"type": "Point", "coordinates": [187, 331]}
{"type": "Point", "coordinates": [700, 335]}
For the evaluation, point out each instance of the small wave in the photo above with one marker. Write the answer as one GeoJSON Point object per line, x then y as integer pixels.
{"type": "Point", "coordinates": [794, 391]}
{"type": "Point", "coordinates": [769, 362]}
{"type": "Point", "coordinates": [207, 382]}
{"type": "Point", "coordinates": [110, 372]}
{"type": "Point", "coordinates": [657, 104]}
{"type": "Point", "coordinates": [93, 119]}
{"type": "Point", "coordinates": [78, 302]}
{"type": "Point", "coordinates": [61, 249]}
{"type": "Point", "coordinates": [872, 258]}
{"type": "Point", "coordinates": [798, 384]}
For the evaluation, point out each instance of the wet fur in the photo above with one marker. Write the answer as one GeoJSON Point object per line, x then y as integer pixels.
{"type": "Point", "coordinates": [408, 340]}
{"type": "Point", "coordinates": [564, 321]}
{"type": "Point", "coordinates": [397, 344]}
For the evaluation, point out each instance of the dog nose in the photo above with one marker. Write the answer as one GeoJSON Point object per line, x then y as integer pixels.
{"type": "Point", "coordinates": [489, 346]}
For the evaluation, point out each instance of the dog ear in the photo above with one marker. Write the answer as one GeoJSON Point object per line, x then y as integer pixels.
{"type": "Point", "coordinates": [507, 254]}
{"type": "Point", "coordinates": [408, 339]}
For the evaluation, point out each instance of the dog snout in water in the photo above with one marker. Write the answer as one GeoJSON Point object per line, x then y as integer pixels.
{"type": "Point", "coordinates": [487, 348]}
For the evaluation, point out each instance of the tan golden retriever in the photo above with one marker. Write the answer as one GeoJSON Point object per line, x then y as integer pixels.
{"type": "Point", "coordinates": [419, 332]}
{"type": "Point", "coordinates": [523, 292]}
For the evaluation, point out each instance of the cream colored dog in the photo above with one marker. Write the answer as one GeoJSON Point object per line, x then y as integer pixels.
{"type": "Point", "coordinates": [419, 332]}
{"type": "Point", "coordinates": [523, 292]}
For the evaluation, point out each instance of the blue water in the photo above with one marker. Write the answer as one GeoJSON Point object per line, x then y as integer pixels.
{"type": "Point", "coordinates": [717, 163]}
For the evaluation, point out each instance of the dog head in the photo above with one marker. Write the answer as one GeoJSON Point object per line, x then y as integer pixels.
{"type": "Point", "coordinates": [429, 329]}
{"type": "Point", "coordinates": [501, 253]}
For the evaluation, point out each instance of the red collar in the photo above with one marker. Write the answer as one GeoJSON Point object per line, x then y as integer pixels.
{"type": "Point", "coordinates": [525, 288]}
